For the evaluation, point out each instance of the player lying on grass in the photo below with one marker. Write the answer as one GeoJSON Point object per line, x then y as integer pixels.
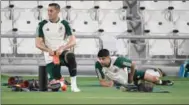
{"type": "Point", "coordinates": [121, 70]}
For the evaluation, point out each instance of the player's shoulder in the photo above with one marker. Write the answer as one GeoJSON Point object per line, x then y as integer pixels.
{"type": "Point", "coordinates": [64, 22]}
{"type": "Point", "coordinates": [97, 64]}
{"type": "Point", "coordinates": [119, 58]}
{"type": "Point", "coordinates": [122, 58]}
{"type": "Point", "coordinates": [43, 22]}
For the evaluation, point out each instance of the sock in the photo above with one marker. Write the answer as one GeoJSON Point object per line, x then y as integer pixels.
{"type": "Point", "coordinates": [160, 81]}
{"type": "Point", "coordinates": [73, 82]}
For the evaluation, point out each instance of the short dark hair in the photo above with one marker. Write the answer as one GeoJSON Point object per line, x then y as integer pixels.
{"type": "Point", "coordinates": [103, 53]}
{"type": "Point", "coordinates": [57, 6]}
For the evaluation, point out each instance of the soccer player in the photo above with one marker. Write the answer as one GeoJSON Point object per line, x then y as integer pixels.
{"type": "Point", "coordinates": [56, 40]}
{"type": "Point", "coordinates": [121, 70]}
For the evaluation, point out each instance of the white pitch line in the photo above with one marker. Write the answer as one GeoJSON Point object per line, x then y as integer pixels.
{"type": "Point", "coordinates": [164, 98]}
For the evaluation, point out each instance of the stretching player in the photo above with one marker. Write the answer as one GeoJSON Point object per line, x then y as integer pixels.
{"type": "Point", "coordinates": [55, 38]}
{"type": "Point", "coordinates": [112, 70]}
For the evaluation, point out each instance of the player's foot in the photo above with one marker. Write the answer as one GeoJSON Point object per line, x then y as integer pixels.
{"type": "Point", "coordinates": [52, 81]}
{"type": "Point", "coordinates": [75, 89]}
{"type": "Point", "coordinates": [167, 82]}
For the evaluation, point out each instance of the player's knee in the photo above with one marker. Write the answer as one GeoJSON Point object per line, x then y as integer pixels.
{"type": "Point", "coordinates": [155, 79]}
{"type": "Point", "coordinates": [70, 58]}
{"type": "Point", "coordinates": [150, 78]}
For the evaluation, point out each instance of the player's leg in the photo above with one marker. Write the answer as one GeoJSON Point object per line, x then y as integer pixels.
{"type": "Point", "coordinates": [49, 68]}
{"type": "Point", "coordinates": [132, 73]}
{"type": "Point", "coordinates": [53, 71]}
{"type": "Point", "coordinates": [138, 75]}
{"type": "Point", "coordinates": [69, 60]}
{"type": "Point", "coordinates": [156, 80]}
{"type": "Point", "coordinates": [57, 72]}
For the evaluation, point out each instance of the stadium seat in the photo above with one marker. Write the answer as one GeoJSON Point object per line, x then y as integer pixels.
{"type": "Point", "coordinates": [111, 22]}
{"type": "Point", "coordinates": [122, 47]}
{"type": "Point", "coordinates": [27, 23]}
{"type": "Point", "coordinates": [6, 23]}
{"type": "Point", "coordinates": [6, 45]}
{"type": "Point", "coordinates": [180, 5]}
{"type": "Point", "coordinates": [110, 4]}
{"type": "Point", "coordinates": [6, 27]}
{"type": "Point", "coordinates": [183, 26]}
{"type": "Point", "coordinates": [81, 4]}
{"type": "Point", "coordinates": [83, 22]}
{"type": "Point", "coordinates": [109, 42]}
{"type": "Point", "coordinates": [87, 46]}
{"type": "Point", "coordinates": [152, 5]}
{"type": "Point", "coordinates": [183, 23]}
{"type": "Point", "coordinates": [22, 4]}
{"type": "Point", "coordinates": [165, 26]}
{"type": "Point", "coordinates": [157, 49]}
{"type": "Point", "coordinates": [4, 4]}
{"type": "Point", "coordinates": [158, 25]}
{"type": "Point", "coordinates": [25, 48]}
{"type": "Point", "coordinates": [183, 47]}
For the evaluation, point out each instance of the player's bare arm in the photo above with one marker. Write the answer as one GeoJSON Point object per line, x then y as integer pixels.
{"type": "Point", "coordinates": [39, 42]}
{"type": "Point", "coordinates": [131, 74]}
{"type": "Point", "coordinates": [105, 83]}
{"type": "Point", "coordinates": [71, 43]}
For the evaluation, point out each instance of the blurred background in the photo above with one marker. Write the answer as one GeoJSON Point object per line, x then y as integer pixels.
{"type": "Point", "coordinates": [151, 33]}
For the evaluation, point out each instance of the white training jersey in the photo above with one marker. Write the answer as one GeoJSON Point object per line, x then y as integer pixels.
{"type": "Point", "coordinates": [115, 73]}
{"type": "Point", "coordinates": [54, 35]}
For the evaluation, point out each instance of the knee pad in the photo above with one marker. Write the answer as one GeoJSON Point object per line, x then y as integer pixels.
{"type": "Point", "coordinates": [70, 59]}
{"type": "Point", "coordinates": [72, 65]}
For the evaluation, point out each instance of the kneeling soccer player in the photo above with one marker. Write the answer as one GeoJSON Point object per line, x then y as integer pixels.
{"type": "Point", "coordinates": [55, 39]}
{"type": "Point", "coordinates": [121, 70]}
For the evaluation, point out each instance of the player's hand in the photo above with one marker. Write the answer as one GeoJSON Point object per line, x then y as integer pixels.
{"type": "Point", "coordinates": [51, 53]}
{"type": "Point", "coordinates": [60, 50]}
{"type": "Point", "coordinates": [111, 83]}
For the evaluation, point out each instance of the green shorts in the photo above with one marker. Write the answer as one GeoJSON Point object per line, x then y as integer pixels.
{"type": "Point", "coordinates": [54, 71]}
{"type": "Point", "coordinates": [139, 75]}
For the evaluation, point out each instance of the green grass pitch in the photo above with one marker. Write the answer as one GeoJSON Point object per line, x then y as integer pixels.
{"type": "Point", "coordinates": [92, 93]}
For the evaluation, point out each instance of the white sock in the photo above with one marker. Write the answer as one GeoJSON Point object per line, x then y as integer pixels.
{"type": "Point", "coordinates": [73, 82]}
{"type": "Point", "coordinates": [160, 82]}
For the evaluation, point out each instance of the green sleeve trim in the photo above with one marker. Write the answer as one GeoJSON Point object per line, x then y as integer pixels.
{"type": "Point", "coordinates": [40, 32]}
{"type": "Point", "coordinates": [67, 27]}
{"type": "Point", "coordinates": [98, 69]}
